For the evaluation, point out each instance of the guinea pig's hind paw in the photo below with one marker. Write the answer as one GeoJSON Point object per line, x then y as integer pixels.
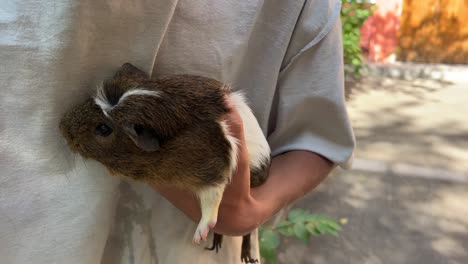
{"type": "Point", "coordinates": [217, 242]}
{"type": "Point", "coordinates": [248, 259]}
{"type": "Point", "coordinates": [245, 250]}
{"type": "Point", "coordinates": [201, 233]}
{"type": "Point", "coordinates": [199, 237]}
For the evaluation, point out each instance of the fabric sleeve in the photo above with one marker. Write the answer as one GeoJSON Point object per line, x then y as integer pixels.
{"type": "Point", "coordinates": [309, 111]}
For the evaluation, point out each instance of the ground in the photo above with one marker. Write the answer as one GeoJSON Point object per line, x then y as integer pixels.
{"type": "Point", "coordinates": [406, 200]}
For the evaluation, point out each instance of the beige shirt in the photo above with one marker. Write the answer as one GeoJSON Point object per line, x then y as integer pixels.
{"type": "Point", "coordinates": [57, 208]}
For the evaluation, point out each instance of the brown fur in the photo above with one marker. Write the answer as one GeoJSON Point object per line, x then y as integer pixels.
{"type": "Point", "coordinates": [194, 151]}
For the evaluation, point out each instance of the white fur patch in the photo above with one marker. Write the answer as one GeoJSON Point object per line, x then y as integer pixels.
{"type": "Point", "coordinates": [257, 145]}
{"type": "Point", "coordinates": [234, 148]}
{"type": "Point", "coordinates": [103, 102]}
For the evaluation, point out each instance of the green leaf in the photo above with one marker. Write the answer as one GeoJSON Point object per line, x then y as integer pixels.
{"type": "Point", "coordinates": [285, 228]}
{"type": "Point", "coordinates": [297, 215]}
{"type": "Point", "coordinates": [283, 224]}
{"type": "Point", "coordinates": [348, 27]}
{"type": "Point", "coordinates": [334, 225]}
{"type": "Point", "coordinates": [301, 232]}
{"type": "Point", "coordinates": [355, 61]}
{"type": "Point", "coordinates": [269, 254]}
{"type": "Point", "coordinates": [322, 228]}
{"type": "Point", "coordinates": [318, 230]}
{"type": "Point", "coordinates": [286, 231]}
{"type": "Point", "coordinates": [270, 239]}
{"type": "Point", "coordinates": [311, 228]}
{"type": "Point", "coordinates": [333, 232]}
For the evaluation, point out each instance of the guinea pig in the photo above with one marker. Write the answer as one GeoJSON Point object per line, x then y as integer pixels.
{"type": "Point", "coordinates": [172, 131]}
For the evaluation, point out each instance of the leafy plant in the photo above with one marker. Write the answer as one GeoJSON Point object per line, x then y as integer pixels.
{"type": "Point", "coordinates": [299, 224]}
{"type": "Point", "coordinates": [353, 15]}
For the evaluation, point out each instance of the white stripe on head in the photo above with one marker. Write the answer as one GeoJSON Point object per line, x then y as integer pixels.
{"type": "Point", "coordinates": [103, 102]}
{"type": "Point", "coordinates": [138, 92]}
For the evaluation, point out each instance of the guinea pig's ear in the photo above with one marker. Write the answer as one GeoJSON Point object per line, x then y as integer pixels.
{"type": "Point", "coordinates": [143, 137]}
{"type": "Point", "coordinates": [128, 70]}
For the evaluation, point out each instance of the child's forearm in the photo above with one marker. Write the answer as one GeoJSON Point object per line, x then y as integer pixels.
{"type": "Point", "coordinates": [292, 175]}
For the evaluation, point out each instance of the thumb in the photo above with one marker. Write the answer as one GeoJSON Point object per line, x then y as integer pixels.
{"type": "Point", "coordinates": [240, 181]}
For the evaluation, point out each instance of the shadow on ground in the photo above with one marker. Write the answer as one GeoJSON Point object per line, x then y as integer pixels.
{"type": "Point", "coordinates": [417, 121]}
{"type": "Point", "coordinates": [391, 220]}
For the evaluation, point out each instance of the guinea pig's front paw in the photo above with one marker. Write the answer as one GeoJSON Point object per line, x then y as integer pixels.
{"type": "Point", "coordinates": [203, 228]}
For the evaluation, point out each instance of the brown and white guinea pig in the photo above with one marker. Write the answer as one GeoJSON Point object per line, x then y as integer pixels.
{"type": "Point", "coordinates": [171, 131]}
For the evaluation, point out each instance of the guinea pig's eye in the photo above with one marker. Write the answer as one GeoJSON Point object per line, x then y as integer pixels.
{"type": "Point", "coordinates": [103, 130]}
{"type": "Point", "coordinates": [138, 129]}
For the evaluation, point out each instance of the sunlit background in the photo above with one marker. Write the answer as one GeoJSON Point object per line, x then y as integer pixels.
{"type": "Point", "coordinates": [406, 199]}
